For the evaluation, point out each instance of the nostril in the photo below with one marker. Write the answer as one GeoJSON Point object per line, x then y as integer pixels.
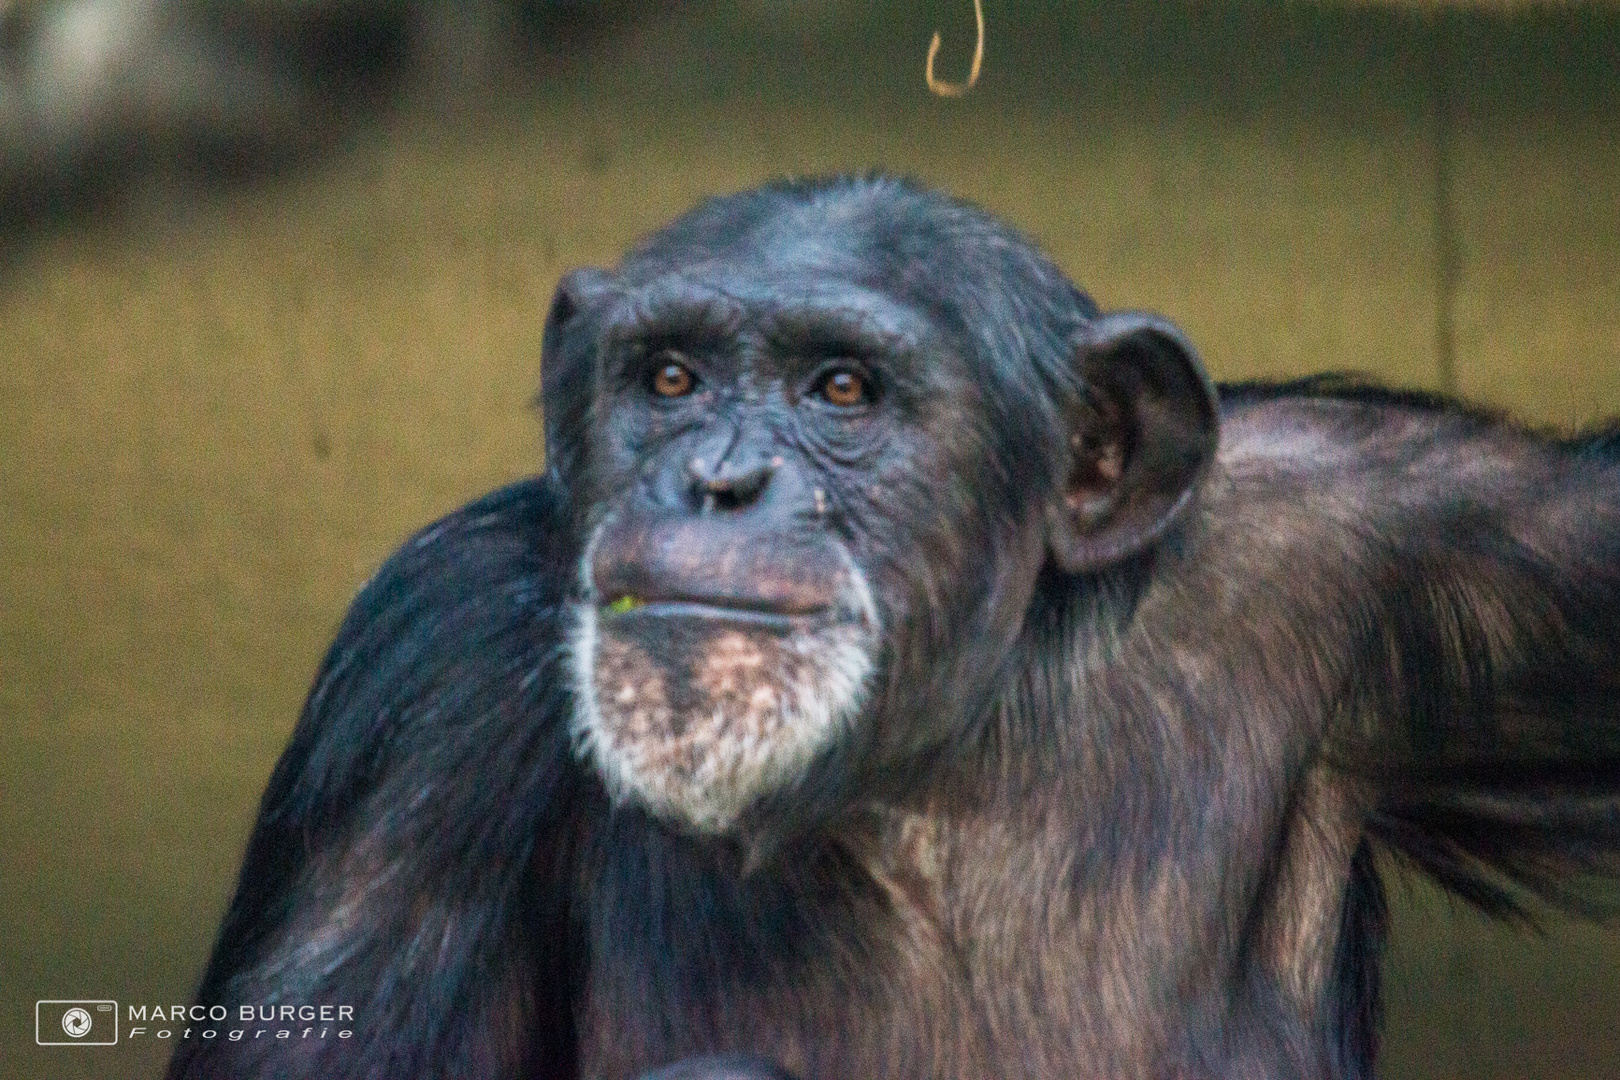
{"type": "Point", "coordinates": [733, 490]}
{"type": "Point", "coordinates": [729, 499]}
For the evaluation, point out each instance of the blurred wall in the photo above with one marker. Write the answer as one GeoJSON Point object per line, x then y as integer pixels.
{"type": "Point", "coordinates": [219, 414]}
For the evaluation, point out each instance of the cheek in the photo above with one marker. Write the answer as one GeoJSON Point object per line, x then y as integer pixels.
{"type": "Point", "coordinates": [695, 719]}
{"type": "Point", "coordinates": [955, 573]}
{"type": "Point", "coordinates": [929, 551]}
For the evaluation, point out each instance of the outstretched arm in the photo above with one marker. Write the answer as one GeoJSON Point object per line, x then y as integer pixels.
{"type": "Point", "coordinates": [1483, 683]}
{"type": "Point", "coordinates": [410, 853]}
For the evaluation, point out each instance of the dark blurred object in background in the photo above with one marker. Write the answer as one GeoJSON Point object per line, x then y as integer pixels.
{"type": "Point", "coordinates": [99, 96]}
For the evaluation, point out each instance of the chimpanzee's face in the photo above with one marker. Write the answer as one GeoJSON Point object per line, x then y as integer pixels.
{"type": "Point", "coordinates": [788, 485]}
{"type": "Point", "coordinates": [821, 443]}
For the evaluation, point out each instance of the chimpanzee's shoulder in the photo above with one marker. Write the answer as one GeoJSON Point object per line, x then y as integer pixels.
{"type": "Point", "coordinates": [1357, 410]}
{"type": "Point", "coordinates": [464, 621]}
{"type": "Point", "coordinates": [465, 601]}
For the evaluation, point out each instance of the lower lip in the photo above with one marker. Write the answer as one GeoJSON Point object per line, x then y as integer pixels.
{"type": "Point", "coordinates": [686, 609]}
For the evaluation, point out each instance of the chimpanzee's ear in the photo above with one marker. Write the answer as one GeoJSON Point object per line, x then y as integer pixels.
{"type": "Point", "coordinates": [1138, 444]}
{"type": "Point", "coordinates": [567, 371]}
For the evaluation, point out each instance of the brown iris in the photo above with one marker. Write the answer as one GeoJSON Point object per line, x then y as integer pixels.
{"type": "Point", "coordinates": [844, 389]}
{"type": "Point", "coordinates": [673, 380]}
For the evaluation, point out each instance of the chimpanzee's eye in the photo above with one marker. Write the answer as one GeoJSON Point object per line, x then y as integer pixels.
{"type": "Point", "coordinates": [844, 388]}
{"type": "Point", "coordinates": [671, 378]}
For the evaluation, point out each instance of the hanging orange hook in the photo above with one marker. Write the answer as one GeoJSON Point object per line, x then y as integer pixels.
{"type": "Point", "coordinates": [945, 89]}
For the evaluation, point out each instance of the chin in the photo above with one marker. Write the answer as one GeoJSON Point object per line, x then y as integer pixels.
{"type": "Point", "coordinates": [695, 711]}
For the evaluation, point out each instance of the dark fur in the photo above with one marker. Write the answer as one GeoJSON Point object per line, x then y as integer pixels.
{"type": "Point", "coordinates": [1386, 620]}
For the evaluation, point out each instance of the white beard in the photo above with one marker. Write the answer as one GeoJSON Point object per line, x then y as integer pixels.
{"type": "Point", "coordinates": [696, 718]}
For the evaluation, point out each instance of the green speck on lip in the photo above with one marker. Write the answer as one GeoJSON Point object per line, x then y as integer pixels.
{"type": "Point", "coordinates": [622, 605]}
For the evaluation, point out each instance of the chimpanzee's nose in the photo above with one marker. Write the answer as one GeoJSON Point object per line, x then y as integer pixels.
{"type": "Point", "coordinates": [732, 483]}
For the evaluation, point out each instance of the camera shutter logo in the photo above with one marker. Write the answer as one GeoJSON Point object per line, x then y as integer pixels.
{"type": "Point", "coordinates": [76, 1023]}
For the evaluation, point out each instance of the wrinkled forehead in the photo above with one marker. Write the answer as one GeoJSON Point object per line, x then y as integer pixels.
{"type": "Point", "coordinates": [812, 288]}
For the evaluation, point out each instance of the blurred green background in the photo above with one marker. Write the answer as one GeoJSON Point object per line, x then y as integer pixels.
{"type": "Point", "coordinates": [219, 413]}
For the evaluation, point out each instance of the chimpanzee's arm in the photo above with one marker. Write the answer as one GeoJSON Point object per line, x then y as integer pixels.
{"type": "Point", "coordinates": [409, 856]}
{"type": "Point", "coordinates": [1483, 694]}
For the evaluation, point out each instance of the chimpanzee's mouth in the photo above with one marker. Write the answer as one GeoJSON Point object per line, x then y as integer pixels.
{"type": "Point", "coordinates": [763, 614]}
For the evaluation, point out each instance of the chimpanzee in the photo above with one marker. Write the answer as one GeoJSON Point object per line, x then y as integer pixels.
{"type": "Point", "coordinates": [905, 670]}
